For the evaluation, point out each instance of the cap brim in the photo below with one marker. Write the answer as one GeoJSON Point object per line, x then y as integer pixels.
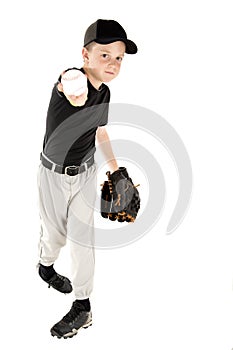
{"type": "Point", "coordinates": [131, 47]}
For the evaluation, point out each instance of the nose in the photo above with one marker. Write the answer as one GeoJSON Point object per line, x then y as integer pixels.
{"type": "Point", "coordinates": [112, 63]}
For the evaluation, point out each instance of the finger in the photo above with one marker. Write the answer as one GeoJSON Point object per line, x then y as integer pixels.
{"type": "Point", "coordinates": [72, 97]}
{"type": "Point", "coordinates": [60, 87]}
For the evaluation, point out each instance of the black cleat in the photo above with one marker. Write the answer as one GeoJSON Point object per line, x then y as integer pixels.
{"type": "Point", "coordinates": [78, 317]}
{"type": "Point", "coordinates": [58, 282]}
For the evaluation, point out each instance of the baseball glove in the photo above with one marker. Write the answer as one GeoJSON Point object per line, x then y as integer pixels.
{"type": "Point", "coordinates": [120, 198]}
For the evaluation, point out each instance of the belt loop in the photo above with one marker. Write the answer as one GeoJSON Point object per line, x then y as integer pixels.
{"type": "Point", "coordinates": [53, 167]}
{"type": "Point", "coordinates": [85, 165]}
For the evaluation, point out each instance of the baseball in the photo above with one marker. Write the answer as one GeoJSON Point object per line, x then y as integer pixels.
{"type": "Point", "coordinates": [74, 83]}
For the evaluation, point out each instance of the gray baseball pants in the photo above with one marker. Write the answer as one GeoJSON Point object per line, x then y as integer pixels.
{"type": "Point", "coordinates": [66, 207]}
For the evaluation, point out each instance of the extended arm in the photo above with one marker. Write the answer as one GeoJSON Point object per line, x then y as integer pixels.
{"type": "Point", "coordinates": [105, 146]}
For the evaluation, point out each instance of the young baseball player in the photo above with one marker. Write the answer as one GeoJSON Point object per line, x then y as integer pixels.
{"type": "Point", "coordinates": [77, 115]}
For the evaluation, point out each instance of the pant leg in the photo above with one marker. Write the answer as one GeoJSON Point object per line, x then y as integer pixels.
{"type": "Point", "coordinates": [53, 198]}
{"type": "Point", "coordinates": [80, 231]}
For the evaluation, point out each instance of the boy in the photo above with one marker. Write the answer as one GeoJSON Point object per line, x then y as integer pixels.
{"type": "Point", "coordinates": [67, 173]}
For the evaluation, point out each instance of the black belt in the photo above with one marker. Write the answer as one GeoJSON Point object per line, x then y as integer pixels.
{"type": "Point", "coordinates": [71, 170]}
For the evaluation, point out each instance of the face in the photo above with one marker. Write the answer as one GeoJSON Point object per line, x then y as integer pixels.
{"type": "Point", "coordinates": [103, 62]}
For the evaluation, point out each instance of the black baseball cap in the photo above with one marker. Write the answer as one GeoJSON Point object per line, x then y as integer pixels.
{"type": "Point", "coordinates": [105, 31]}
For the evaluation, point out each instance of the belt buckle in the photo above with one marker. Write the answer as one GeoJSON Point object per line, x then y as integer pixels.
{"type": "Point", "coordinates": [71, 167]}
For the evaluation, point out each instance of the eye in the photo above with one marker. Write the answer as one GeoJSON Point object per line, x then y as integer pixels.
{"type": "Point", "coordinates": [119, 59]}
{"type": "Point", "coordinates": [105, 55]}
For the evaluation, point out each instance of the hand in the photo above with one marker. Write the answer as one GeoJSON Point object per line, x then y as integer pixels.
{"type": "Point", "coordinates": [76, 101]}
{"type": "Point", "coordinates": [75, 82]}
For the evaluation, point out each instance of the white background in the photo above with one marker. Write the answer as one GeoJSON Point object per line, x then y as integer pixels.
{"type": "Point", "coordinates": [162, 292]}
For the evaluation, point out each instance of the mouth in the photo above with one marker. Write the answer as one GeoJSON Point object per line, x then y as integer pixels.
{"type": "Point", "coordinates": [110, 73]}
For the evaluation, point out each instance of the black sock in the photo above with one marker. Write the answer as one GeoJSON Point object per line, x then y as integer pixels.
{"type": "Point", "coordinates": [85, 303]}
{"type": "Point", "coordinates": [46, 272]}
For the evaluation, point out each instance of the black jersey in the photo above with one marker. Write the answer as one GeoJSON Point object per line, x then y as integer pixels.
{"type": "Point", "coordinates": [70, 131]}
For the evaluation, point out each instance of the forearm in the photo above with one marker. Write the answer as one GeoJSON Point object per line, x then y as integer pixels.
{"type": "Point", "coordinates": [105, 146]}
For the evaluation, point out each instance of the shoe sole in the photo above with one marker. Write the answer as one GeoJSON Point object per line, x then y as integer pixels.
{"type": "Point", "coordinates": [70, 334]}
{"type": "Point", "coordinates": [63, 292]}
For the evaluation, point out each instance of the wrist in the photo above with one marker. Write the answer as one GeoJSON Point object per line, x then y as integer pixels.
{"type": "Point", "coordinates": [112, 164]}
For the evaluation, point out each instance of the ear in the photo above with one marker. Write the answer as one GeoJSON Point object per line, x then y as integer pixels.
{"type": "Point", "coordinates": [85, 54]}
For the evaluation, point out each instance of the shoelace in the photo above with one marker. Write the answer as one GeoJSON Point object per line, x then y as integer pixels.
{"type": "Point", "coordinates": [58, 281]}
{"type": "Point", "coordinates": [73, 313]}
